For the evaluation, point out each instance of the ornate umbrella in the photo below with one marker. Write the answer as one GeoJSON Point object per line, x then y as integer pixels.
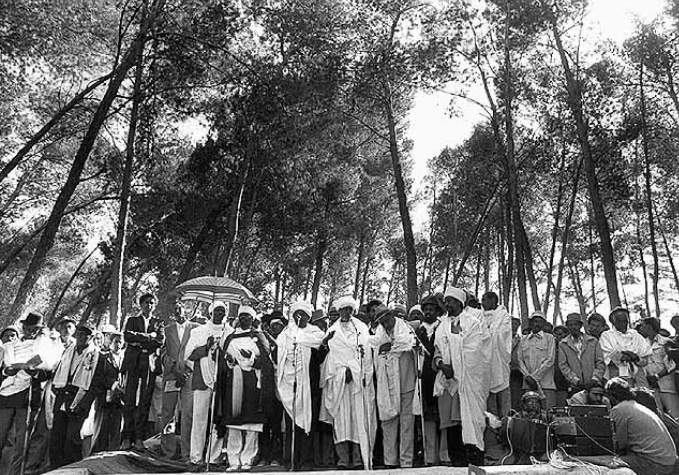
{"type": "Point", "coordinates": [209, 288]}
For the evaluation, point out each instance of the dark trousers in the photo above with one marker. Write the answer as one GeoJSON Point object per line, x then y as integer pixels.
{"type": "Point", "coordinates": [516, 388]}
{"type": "Point", "coordinates": [303, 444]}
{"type": "Point", "coordinates": [462, 454]}
{"type": "Point", "coordinates": [271, 438]}
{"type": "Point", "coordinates": [324, 447]}
{"type": "Point", "coordinates": [136, 410]}
{"type": "Point", "coordinates": [110, 431]}
{"type": "Point", "coordinates": [13, 417]}
{"type": "Point", "coordinates": [65, 441]}
{"type": "Point", "coordinates": [38, 446]}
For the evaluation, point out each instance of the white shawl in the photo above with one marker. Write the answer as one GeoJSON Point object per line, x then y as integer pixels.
{"type": "Point", "coordinates": [295, 342]}
{"type": "Point", "coordinates": [40, 351]}
{"type": "Point", "coordinates": [500, 327]}
{"type": "Point", "coordinates": [345, 352]}
{"type": "Point", "coordinates": [467, 352]}
{"type": "Point", "coordinates": [613, 343]}
{"type": "Point", "coordinates": [198, 338]}
{"type": "Point", "coordinates": [387, 367]}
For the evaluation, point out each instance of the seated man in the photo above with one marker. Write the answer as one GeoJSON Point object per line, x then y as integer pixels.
{"type": "Point", "coordinates": [593, 396]}
{"type": "Point", "coordinates": [646, 397]}
{"type": "Point", "coordinates": [531, 409]}
{"type": "Point", "coordinates": [641, 437]}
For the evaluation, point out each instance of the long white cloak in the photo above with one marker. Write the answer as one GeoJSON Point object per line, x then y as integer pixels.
{"type": "Point", "coordinates": [467, 352]}
{"type": "Point", "coordinates": [350, 408]}
{"type": "Point", "coordinates": [305, 339]}
{"type": "Point", "coordinates": [500, 327]}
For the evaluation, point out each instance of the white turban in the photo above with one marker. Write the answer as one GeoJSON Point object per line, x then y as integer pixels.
{"type": "Point", "coordinates": [214, 305]}
{"type": "Point", "coordinates": [415, 308]}
{"type": "Point", "coordinates": [347, 301]}
{"type": "Point", "coordinates": [457, 294]}
{"type": "Point", "coordinates": [247, 309]}
{"type": "Point", "coordinates": [305, 307]}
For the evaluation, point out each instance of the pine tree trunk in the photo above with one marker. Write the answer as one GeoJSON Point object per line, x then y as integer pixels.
{"type": "Point", "coordinates": [577, 288]}
{"type": "Point", "coordinates": [669, 253]}
{"type": "Point", "coordinates": [53, 317]}
{"type": "Point", "coordinates": [359, 263]}
{"type": "Point", "coordinates": [582, 129]}
{"type": "Point", "coordinates": [198, 243]}
{"type": "Point", "coordinates": [321, 247]}
{"type": "Point", "coordinates": [649, 194]}
{"type": "Point", "coordinates": [555, 231]}
{"type": "Point", "coordinates": [40, 134]}
{"type": "Point", "coordinates": [77, 167]}
{"type": "Point", "coordinates": [640, 247]}
{"type": "Point", "coordinates": [564, 241]}
{"type": "Point", "coordinates": [125, 198]}
{"type": "Point", "coordinates": [408, 237]}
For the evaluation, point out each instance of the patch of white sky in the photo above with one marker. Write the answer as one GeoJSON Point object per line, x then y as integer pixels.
{"type": "Point", "coordinates": [432, 127]}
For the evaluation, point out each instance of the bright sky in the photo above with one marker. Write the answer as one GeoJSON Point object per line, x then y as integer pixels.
{"type": "Point", "coordinates": [432, 128]}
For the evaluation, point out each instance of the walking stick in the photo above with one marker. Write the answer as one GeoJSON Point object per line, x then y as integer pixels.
{"type": "Point", "coordinates": [367, 464]}
{"type": "Point", "coordinates": [27, 433]}
{"type": "Point", "coordinates": [294, 407]}
{"type": "Point", "coordinates": [210, 419]}
{"type": "Point", "coordinates": [419, 390]}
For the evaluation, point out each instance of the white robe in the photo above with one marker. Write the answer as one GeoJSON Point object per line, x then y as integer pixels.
{"type": "Point", "coordinates": [198, 338]}
{"type": "Point", "coordinates": [613, 343]}
{"type": "Point", "coordinates": [303, 339]}
{"type": "Point", "coordinates": [500, 327]}
{"type": "Point", "coordinates": [387, 367]}
{"type": "Point", "coordinates": [467, 352]}
{"type": "Point", "coordinates": [350, 408]}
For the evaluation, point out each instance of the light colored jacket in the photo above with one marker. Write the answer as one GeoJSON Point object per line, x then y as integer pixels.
{"type": "Point", "coordinates": [581, 368]}
{"type": "Point", "coordinates": [536, 358]}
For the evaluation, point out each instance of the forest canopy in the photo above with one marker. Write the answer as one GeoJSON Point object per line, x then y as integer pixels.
{"type": "Point", "coordinates": [145, 142]}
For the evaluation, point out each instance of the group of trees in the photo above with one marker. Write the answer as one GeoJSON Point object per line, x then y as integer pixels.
{"type": "Point", "coordinates": [298, 185]}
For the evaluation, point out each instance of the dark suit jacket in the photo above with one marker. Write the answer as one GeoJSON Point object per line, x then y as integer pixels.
{"type": "Point", "coordinates": [173, 349]}
{"type": "Point", "coordinates": [140, 344]}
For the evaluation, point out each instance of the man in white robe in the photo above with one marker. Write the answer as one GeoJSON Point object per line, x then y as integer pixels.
{"type": "Point", "coordinates": [625, 350]}
{"type": "Point", "coordinates": [500, 327]}
{"type": "Point", "coordinates": [203, 345]}
{"type": "Point", "coordinates": [462, 383]}
{"type": "Point", "coordinates": [294, 345]}
{"type": "Point", "coordinates": [348, 390]}
{"type": "Point", "coordinates": [397, 398]}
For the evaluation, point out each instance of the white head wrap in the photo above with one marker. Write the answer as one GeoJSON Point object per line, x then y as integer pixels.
{"type": "Point", "coordinates": [305, 307]}
{"type": "Point", "coordinates": [347, 301]}
{"type": "Point", "coordinates": [415, 308]}
{"type": "Point", "coordinates": [214, 305]}
{"type": "Point", "coordinates": [249, 310]}
{"type": "Point", "coordinates": [457, 294]}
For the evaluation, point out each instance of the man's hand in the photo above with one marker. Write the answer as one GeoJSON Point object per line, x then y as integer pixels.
{"type": "Point", "coordinates": [385, 348]}
{"type": "Point", "coordinates": [349, 377]}
{"type": "Point", "coordinates": [245, 353]}
{"type": "Point", "coordinates": [230, 360]}
{"type": "Point", "coordinates": [328, 337]}
{"type": "Point", "coordinates": [210, 341]}
{"type": "Point", "coordinates": [447, 370]}
{"type": "Point", "coordinates": [532, 383]}
{"type": "Point", "coordinates": [11, 370]}
{"type": "Point", "coordinates": [652, 380]}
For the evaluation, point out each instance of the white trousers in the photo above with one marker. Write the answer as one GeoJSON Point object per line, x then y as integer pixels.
{"type": "Point", "coordinates": [241, 447]}
{"type": "Point", "coordinates": [201, 413]}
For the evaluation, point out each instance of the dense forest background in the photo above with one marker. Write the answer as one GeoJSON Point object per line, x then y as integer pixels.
{"type": "Point", "coordinates": [144, 142]}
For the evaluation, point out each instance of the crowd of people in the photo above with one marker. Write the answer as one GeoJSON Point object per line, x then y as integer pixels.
{"type": "Point", "coordinates": [356, 386]}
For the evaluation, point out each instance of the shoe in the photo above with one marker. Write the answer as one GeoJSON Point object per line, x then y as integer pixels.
{"type": "Point", "coordinates": [139, 444]}
{"type": "Point", "coordinates": [233, 468]}
{"type": "Point", "coordinates": [263, 463]}
{"type": "Point", "coordinates": [246, 468]}
{"type": "Point", "coordinates": [275, 463]}
{"type": "Point", "coordinates": [126, 444]}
